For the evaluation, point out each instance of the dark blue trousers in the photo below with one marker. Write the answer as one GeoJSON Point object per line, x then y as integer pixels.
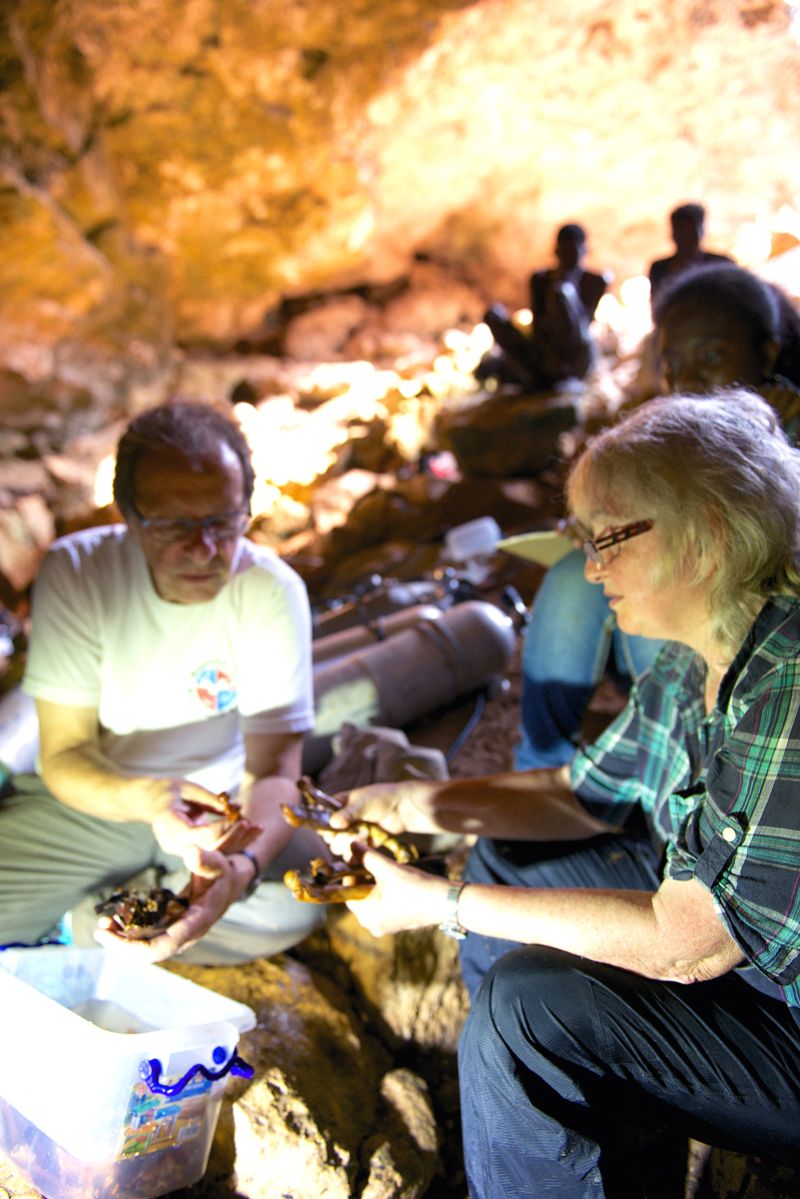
{"type": "Point", "coordinates": [613, 860]}
{"type": "Point", "coordinates": [568, 1068]}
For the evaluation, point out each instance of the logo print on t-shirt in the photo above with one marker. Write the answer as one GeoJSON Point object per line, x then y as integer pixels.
{"type": "Point", "coordinates": [215, 688]}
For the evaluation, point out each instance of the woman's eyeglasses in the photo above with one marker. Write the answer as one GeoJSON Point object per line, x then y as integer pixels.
{"type": "Point", "coordinates": [593, 549]}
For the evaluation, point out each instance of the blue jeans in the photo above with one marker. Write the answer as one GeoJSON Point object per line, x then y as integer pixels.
{"type": "Point", "coordinates": [568, 644]}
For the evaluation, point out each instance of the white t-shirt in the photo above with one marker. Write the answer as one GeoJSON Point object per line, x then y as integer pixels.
{"type": "Point", "coordinates": [174, 685]}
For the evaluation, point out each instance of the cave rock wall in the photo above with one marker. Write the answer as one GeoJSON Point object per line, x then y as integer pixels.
{"type": "Point", "coordinates": [170, 170]}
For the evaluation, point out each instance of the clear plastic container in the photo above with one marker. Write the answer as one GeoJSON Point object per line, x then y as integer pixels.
{"type": "Point", "coordinates": [113, 1072]}
{"type": "Point", "coordinates": [476, 538]}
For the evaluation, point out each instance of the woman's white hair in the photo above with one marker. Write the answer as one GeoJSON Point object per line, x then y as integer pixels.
{"type": "Point", "coordinates": [719, 480]}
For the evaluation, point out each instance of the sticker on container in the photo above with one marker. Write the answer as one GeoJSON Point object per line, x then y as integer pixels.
{"type": "Point", "coordinates": [155, 1122]}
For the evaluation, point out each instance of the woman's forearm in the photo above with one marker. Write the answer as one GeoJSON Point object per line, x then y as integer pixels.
{"type": "Point", "coordinates": [536, 805]}
{"type": "Point", "coordinates": [621, 928]}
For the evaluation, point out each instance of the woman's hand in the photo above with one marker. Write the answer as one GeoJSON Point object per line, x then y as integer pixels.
{"type": "Point", "coordinates": [377, 802]}
{"type": "Point", "coordinates": [402, 898]}
{"type": "Point", "coordinates": [402, 807]}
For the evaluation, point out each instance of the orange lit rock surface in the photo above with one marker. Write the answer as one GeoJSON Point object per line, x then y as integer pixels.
{"type": "Point", "coordinates": [172, 169]}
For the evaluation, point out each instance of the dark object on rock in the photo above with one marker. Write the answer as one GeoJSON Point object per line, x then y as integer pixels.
{"type": "Point", "coordinates": [509, 436]}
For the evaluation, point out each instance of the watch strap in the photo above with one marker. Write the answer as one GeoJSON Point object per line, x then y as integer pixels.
{"type": "Point", "coordinates": [256, 879]}
{"type": "Point", "coordinates": [450, 925]}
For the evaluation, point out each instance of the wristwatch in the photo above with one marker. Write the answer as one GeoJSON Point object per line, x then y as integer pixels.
{"type": "Point", "coordinates": [450, 924]}
{"type": "Point", "coordinates": [256, 879]}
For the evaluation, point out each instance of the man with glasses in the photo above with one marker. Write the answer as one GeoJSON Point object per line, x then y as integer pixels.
{"type": "Point", "coordinates": [170, 663]}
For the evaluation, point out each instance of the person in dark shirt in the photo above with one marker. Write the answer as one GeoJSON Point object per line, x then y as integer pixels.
{"type": "Point", "coordinates": [687, 223]}
{"type": "Point", "coordinates": [559, 346]}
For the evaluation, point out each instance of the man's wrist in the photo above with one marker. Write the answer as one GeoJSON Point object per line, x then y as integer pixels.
{"type": "Point", "coordinates": [154, 791]}
{"type": "Point", "coordinates": [256, 879]}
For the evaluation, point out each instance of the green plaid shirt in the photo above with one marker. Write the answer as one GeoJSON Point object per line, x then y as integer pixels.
{"type": "Point", "coordinates": [720, 793]}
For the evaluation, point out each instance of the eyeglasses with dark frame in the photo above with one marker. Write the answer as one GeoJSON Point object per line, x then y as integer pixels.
{"type": "Point", "coordinates": [593, 549]}
{"type": "Point", "coordinates": [168, 530]}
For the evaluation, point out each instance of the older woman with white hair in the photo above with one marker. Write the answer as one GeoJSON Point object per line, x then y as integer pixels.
{"type": "Point", "coordinates": [635, 919]}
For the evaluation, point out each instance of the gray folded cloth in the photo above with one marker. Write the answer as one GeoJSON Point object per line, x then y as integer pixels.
{"type": "Point", "coordinates": [378, 755]}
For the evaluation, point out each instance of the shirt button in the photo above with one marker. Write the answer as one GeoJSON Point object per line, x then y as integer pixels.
{"type": "Point", "coordinates": [729, 834]}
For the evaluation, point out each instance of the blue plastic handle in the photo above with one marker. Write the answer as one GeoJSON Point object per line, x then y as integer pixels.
{"type": "Point", "coordinates": [150, 1072]}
